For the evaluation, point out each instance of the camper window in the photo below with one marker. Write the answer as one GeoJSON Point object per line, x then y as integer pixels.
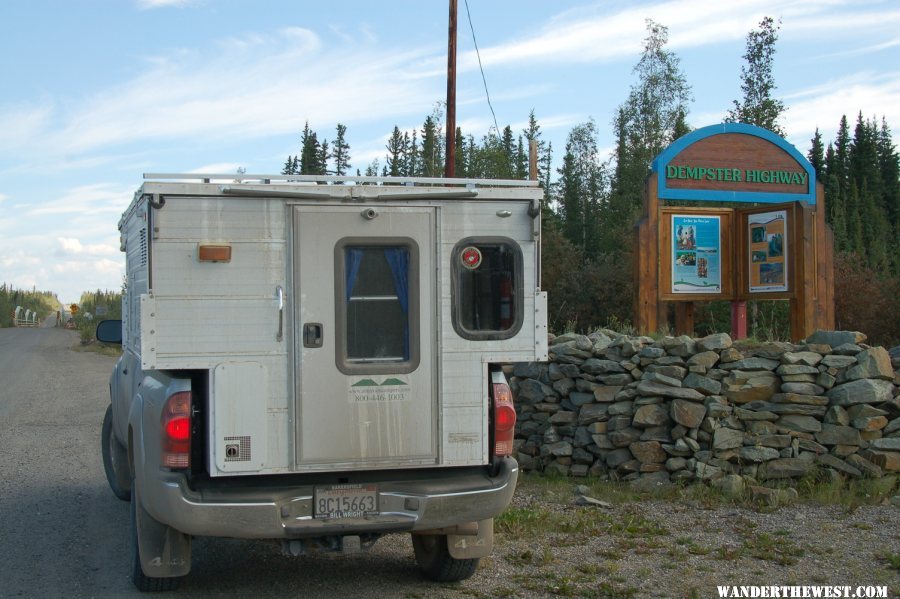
{"type": "Point", "coordinates": [487, 288]}
{"type": "Point", "coordinates": [377, 308]}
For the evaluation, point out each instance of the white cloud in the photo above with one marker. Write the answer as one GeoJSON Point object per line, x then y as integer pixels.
{"type": "Point", "coordinates": [264, 86]}
{"type": "Point", "coordinates": [151, 4]}
{"type": "Point", "coordinates": [70, 246]}
{"type": "Point", "coordinates": [858, 51]}
{"type": "Point", "coordinates": [3, 197]}
{"type": "Point", "coordinates": [29, 262]}
{"type": "Point", "coordinates": [219, 168]}
{"type": "Point", "coordinates": [90, 199]}
{"type": "Point", "coordinates": [21, 125]}
{"type": "Point", "coordinates": [594, 34]}
{"type": "Point", "coordinates": [874, 94]}
{"type": "Point", "coordinates": [257, 84]}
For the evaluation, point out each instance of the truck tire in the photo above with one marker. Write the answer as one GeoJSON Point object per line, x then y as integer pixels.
{"type": "Point", "coordinates": [435, 561]}
{"type": "Point", "coordinates": [144, 583]}
{"type": "Point", "coordinates": [115, 460]}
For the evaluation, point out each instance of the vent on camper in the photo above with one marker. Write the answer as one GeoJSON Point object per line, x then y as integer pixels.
{"type": "Point", "coordinates": [237, 449]}
{"type": "Point", "coordinates": [143, 247]}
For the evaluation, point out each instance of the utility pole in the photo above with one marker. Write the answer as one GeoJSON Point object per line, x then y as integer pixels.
{"type": "Point", "coordinates": [450, 164]}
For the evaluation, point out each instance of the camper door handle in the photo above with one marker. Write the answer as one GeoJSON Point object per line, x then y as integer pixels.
{"type": "Point", "coordinates": [312, 334]}
{"type": "Point", "coordinates": [279, 293]}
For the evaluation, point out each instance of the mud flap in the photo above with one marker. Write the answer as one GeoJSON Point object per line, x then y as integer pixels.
{"type": "Point", "coordinates": [473, 546]}
{"type": "Point", "coordinates": [164, 551]}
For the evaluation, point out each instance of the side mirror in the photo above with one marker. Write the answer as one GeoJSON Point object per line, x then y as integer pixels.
{"type": "Point", "coordinates": [110, 331]}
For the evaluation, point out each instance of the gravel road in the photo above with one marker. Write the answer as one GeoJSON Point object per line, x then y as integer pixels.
{"type": "Point", "coordinates": [63, 533]}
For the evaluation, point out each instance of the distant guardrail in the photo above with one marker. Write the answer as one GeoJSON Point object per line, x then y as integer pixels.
{"type": "Point", "coordinates": [25, 318]}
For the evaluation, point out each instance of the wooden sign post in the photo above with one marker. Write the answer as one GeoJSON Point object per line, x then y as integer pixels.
{"type": "Point", "coordinates": [776, 245]}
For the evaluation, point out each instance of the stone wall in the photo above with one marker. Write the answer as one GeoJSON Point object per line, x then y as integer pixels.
{"type": "Point", "coordinates": [681, 409]}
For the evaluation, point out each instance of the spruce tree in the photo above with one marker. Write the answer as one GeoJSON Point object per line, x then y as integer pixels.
{"type": "Point", "coordinates": [322, 158]}
{"type": "Point", "coordinates": [544, 152]}
{"type": "Point", "coordinates": [414, 156]}
{"type": "Point", "coordinates": [508, 148]}
{"type": "Point", "coordinates": [842, 158]}
{"type": "Point", "coordinates": [681, 127]}
{"type": "Point", "coordinates": [889, 163]}
{"type": "Point", "coordinates": [545, 164]}
{"type": "Point", "coordinates": [341, 151]}
{"type": "Point", "coordinates": [863, 156]}
{"type": "Point", "coordinates": [854, 222]}
{"type": "Point", "coordinates": [521, 171]}
{"type": "Point", "coordinates": [432, 160]}
{"type": "Point", "coordinates": [460, 162]}
{"type": "Point", "coordinates": [816, 155]}
{"type": "Point", "coordinates": [580, 189]}
{"type": "Point", "coordinates": [834, 200]}
{"type": "Point", "coordinates": [865, 176]}
{"type": "Point", "coordinates": [394, 158]}
{"type": "Point", "coordinates": [404, 154]}
{"type": "Point", "coordinates": [758, 81]}
{"type": "Point", "coordinates": [875, 230]}
{"type": "Point", "coordinates": [309, 152]}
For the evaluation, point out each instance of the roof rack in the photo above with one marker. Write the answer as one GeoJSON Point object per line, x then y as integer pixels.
{"type": "Point", "coordinates": [335, 180]}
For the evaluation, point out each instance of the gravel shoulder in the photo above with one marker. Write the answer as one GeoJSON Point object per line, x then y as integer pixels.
{"type": "Point", "coordinates": [686, 547]}
{"type": "Point", "coordinates": [64, 534]}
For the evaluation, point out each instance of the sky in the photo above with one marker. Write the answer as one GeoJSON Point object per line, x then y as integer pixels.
{"type": "Point", "coordinates": [97, 92]}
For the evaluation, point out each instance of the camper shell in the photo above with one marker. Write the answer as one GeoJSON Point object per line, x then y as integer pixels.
{"type": "Point", "coordinates": [319, 360]}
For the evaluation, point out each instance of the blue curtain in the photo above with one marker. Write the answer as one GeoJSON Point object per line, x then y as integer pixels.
{"type": "Point", "coordinates": [398, 260]}
{"type": "Point", "coordinates": [352, 260]}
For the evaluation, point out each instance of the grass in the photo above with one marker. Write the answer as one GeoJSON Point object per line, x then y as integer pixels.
{"type": "Point", "coordinates": [729, 554]}
{"type": "Point", "coordinates": [891, 559]}
{"type": "Point", "coordinates": [528, 557]}
{"type": "Point", "coordinates": [579, 524]}
{"type": "Point", "coordinates": [814, 489]}
{"type": "Point", "coordinates": [550, 583]}
{"type": "Point", "coordinates": [608, 590]}
{"type": "Point", "coordinates": [104, 349]}
{"type": "Point", "coordinates": [519, 522]}
{"type": "Point", "coordinates": [691, 546]}
{"type": "Point", "coordinates": [550, 520]}
{"type": "Point", "coordinates": [766, 547]}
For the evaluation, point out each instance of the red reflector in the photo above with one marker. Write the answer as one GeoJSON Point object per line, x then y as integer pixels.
{"type": "Point", "coordinates": [176, 431]}
{"type": "Point", "coordinates": [504, 417]}
{"type": "Point", "coordinates": [504, 420]}
{"type": "Point", "coordinates": [179, 429]}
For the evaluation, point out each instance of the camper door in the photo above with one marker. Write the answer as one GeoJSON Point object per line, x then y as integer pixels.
{"type": "Point", "coordinates": [365, 355]}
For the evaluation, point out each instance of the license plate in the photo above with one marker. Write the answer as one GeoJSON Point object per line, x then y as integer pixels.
{"type": "Point", "coordinates": [346, 501]}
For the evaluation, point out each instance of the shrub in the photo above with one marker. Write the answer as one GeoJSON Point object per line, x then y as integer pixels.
{"type": "Point", "coordinates": [865, 300]}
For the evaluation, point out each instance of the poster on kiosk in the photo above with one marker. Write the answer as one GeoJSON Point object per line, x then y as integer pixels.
{"type": "Point", "coordinates": [768, 238]}
{"type": "Point", "coordinates": [696, 254]}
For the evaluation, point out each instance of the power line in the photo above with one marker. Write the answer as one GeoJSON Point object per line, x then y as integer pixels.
{"type": "Point", "coordinates": [478, 54]}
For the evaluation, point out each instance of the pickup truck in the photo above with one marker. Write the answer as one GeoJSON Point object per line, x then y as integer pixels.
{"type": "Point", "coordinates": [319, 361]}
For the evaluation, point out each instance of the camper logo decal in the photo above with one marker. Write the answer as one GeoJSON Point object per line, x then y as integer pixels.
{"type": "Point", "coordinates": [370, 391]}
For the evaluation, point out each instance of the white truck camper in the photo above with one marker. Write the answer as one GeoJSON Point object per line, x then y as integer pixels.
{"type": "Point", "coordinates": [317, 360]}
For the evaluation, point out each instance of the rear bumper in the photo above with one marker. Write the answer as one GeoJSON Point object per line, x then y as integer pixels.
{"type": "Point", "coordinates": [447, 498]}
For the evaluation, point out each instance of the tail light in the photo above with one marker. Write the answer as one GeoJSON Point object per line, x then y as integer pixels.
{"type": "Point", "coordinates": [176, 431]}
{"type": "Point", "coordinates": [504, 419]}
